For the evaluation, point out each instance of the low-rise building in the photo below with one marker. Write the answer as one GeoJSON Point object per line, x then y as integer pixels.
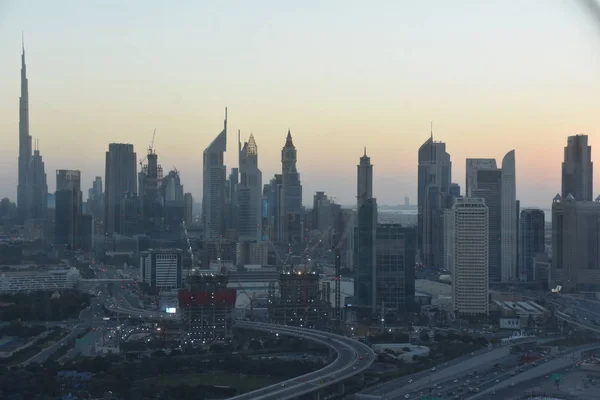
{"type": "Point", "coordinates": [38, 279]}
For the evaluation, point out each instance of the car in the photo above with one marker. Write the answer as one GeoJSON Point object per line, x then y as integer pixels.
{"type": "Point", "coordinates": [282, 384]}
{"type": "Point", "coordinates": [456, 381]}
{"type": "Point", "coordinates": [407, 396]}
{"type": "Point", "coordinates": [433, 369]}
{"type": "Point", "coordinates": [472, 354]}
{"type": "Point", "coordinates": [446, 364]}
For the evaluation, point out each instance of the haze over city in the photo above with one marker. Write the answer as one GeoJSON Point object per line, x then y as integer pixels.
{"type": "Point", "coordinates": [492, 76]}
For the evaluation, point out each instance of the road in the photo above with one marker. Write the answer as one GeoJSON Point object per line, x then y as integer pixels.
{"type": "Point", "coordinates": [85, 316]}
{"type": "Point", "coordinates": [353, 357]}
{"type": "Point", "coordinates": [555, 363]}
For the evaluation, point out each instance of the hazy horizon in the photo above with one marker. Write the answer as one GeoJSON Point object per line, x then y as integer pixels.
{"type": "Point", "coordinates": [493, 76]}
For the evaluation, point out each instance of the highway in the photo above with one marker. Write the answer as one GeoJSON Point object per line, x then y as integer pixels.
{"type": "Point", "coordinates": [353, 357]}
{"type": "Point", "coordinates": [555, 363]}
{"type": "Point", "coordinates": [85, 316]}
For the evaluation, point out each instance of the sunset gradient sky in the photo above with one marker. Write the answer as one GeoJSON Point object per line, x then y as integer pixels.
{"type": "Point", "coordinates": [493, 75]}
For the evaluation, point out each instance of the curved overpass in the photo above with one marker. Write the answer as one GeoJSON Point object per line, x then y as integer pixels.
{"type": "Point", "coordinates": [347, 364]}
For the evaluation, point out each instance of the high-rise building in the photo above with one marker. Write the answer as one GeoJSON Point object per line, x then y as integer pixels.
{"type": "Point", "coordinates": [95, 200]}
{"type": "Point", "coordinates": [149, 191]}
{"type": "Point", "coordinates": [68, 208]}
{"type": "Point", "coordinates": [23, 201]}
{"type": "Point", "coordinates": [509, 226]}
{"type": "Point", "coordinates": [249, 192]}
{"type": "Point", "coordinates": [38, 187]}
{"type": "Point", "coordinates": [531, 241]}
{"type": "Point", "coordinates": [162, 268]}
{"type": "Point", "coordinates": [120, 178]}
{"type": "Point", "coordinates": [497, 187]}
{"type": "Point", "coordinates": [578, 169]}
{"type": "Point", "coordinates": [434, 178]}
{"type": "Point", "coordinates": [292, 193]}
{"type": "Point", "coordinates": [575, 244]}
{"type": "Point", "coordinates": [470, 278]}
{"type": "Point", "coordinates": [213, 193]}
{"type": "Point", "coordinates": [395, 249]}
{"type": "Point", "coordinates": [172, 209]}
{"type": "Point", "coordinates": [364, 178]}
{"type": "Point", "coordinates": [188, 209]}
{"type": "Point", "coordinates": [364, 257]}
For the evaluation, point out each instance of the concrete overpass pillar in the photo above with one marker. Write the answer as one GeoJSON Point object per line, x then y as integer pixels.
{"type": "Point", "coordinates": [318, 395]}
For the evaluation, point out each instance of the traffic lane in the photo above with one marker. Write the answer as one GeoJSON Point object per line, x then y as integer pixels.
{"type": "Point", "coordinates": [560, 362]}
{"type": "Point", "coordinates": [344, 357]}
{"type": "Point", "coordinates": [391, 385]}
{"type": "Point", "coordinates": [477, 380]}
{"type": "Point", "coordinates": [293, 386]}
{"type": "Point", "coordinates": [448, 373]}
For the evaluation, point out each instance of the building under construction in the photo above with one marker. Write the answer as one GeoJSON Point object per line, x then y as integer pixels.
{"type": "Point", "coordinates": [207, 306]}
{"type": "Point", "coordinates": [301, 302]}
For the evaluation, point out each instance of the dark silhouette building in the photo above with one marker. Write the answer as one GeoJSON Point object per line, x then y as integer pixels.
{"type": "Point", "coordinates": [531, 241]}
{"type": "Point", "coordinates": [120, 178]}
{"type": "Point", "coordinates": [68, 209]}
{"type": "Point", "coordinates": [578, 169]}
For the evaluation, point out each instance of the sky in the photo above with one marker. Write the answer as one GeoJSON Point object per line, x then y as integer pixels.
{"type": "Point", "coordinates": [492, 75]}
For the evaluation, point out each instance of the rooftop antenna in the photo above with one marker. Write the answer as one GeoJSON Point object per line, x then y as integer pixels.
{"type": "Point", "coordinates": [431, 130]}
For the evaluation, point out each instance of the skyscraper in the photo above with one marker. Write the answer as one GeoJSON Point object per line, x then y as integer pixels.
{"type": "Point", "coordinates": [434, 177]}
{"type": "Point", "coordinates": [23, 201]}
{"type": "Point", "coordinates": [531, 241]}
{"type": "Point", "coordinates": [364, 257]}
{"type": "Point", "coordinates": [395, 249]}
{"type": "Point", "coordinates": [249, 192]}
{"type": "Point", "coordinates": [38, 187]}
{"type": "Point", "coordinates": [577, 169]}
{"type": "Point", "coordinates": [364, 177]}
{"type": "Point", "coordinates": [508, 226]}
{"type": "Point", "coordinates": [149, 178]}
{"type": "Point", "coordinates": [292, 192]}
{"type": "Point", "coordinates": [575, 250]}
{"type": "Point", "coordinates": [213, 186]}
{"type": "Point", "coordinates": [470, 257]}
{"type": "Point", "coordinates": [120, 178]}
{"type": "Point", "coordinates": [68, 208]}
{"type": "Point", "coordinates": [497, 187]}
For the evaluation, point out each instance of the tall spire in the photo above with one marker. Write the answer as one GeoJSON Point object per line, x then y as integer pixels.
{"type": "Point", "coordinates": [24, 141]}
{"type": "Point", "coordinates": [365, 153]}
{"type": "Point", "coordinates": [225, 123]}
{"type": "Point", "coordinates": [431, 130]}
{"type": "Point", "coordinates": [288, 140]}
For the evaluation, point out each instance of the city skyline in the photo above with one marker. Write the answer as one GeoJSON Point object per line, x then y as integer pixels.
{"type": "Point", "coordinates": [534, 112]}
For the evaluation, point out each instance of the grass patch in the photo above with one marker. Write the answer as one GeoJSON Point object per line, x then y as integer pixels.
{"type": "Point", "coordinates": [242, 383]}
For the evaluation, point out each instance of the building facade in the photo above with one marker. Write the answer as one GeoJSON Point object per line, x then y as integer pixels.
{"type": "Point", "coordinates": [120, 178]}
{"type": "Point", "coordinates": [470, 278]}
{"type": "Point", "coordinates": [68, 209]}
{"type": "Point", "coordinates": [578, 169]}
{"type": "Point", "coordinates": [213, 190]}
{"type": "Point", "coordinates": [434, 178]}
{"type": "Point", "coordinates": [162, 268]}
{"type": "Point", "coordinates": [250, 193]}
{"type": "Point", "coordinates": [531, 241]}
{"type": "Point", "coordinates": [395, 253]}
{"type": "Point", "coordinates": [292, 217]}
{"type": "Point", "coordinates": [575, 244]}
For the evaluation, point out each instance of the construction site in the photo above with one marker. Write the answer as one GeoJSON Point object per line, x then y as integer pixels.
{"type": "Point", "coordinates": [207, 306]}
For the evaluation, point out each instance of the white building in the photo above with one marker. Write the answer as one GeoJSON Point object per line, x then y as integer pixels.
{"type": "Point", "coordinates": [18, 281]}
{"type": "Point", "coordinates": [161, 268]}
{"type": "Point", "coordinates": [470, 257]}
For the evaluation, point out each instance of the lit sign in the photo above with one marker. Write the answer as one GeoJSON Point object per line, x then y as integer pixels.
{"type": "Point", "coordinates": [171, 310]}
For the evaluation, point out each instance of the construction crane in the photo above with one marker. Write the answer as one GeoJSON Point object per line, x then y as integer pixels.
{"type": "Point", "coordinates": [150, 150]}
